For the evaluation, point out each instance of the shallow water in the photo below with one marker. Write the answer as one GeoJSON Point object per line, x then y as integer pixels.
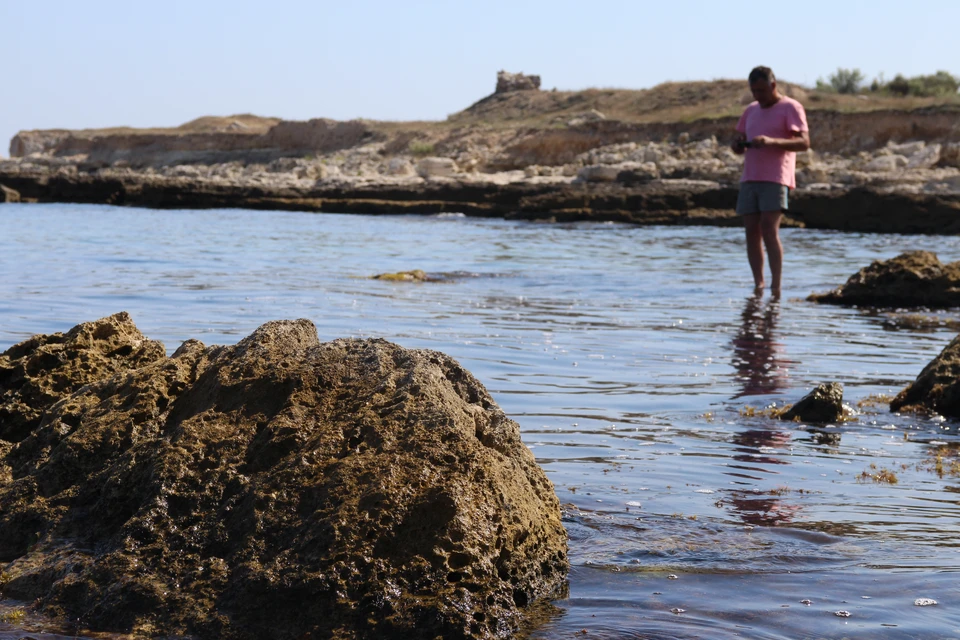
{"type": "Point", "coordinates": [630, 356]}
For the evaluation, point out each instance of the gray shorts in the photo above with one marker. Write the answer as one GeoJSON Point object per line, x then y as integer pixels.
{"type": "Point", "coordinates": [762, 197]}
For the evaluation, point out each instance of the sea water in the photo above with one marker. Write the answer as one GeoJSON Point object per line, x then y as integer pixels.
{"type": "Point", "coordinates": [640, 369]}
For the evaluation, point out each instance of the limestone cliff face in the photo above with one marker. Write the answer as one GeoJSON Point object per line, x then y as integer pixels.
{"type": "Point", "coordinates": [172, 147]}
{"type": "Point", "coordinates": [277, 488]}
{"type": "Point", "coordinates": [515, 148]}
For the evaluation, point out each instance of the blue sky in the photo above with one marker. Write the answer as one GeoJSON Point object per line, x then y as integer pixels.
{"type": "Point", "coordinates": [100, 63]}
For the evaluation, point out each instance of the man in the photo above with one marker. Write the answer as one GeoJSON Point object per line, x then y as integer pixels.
{"type": "Point", "coordinates": [770, 132]}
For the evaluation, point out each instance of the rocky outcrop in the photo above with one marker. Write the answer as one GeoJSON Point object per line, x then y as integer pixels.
{"type": "Point", "coordinates": [277, 488]}
{"type": "Point", "coordinates": [320, 135]}
{"type": "Point", "coordinates": [436, 168]}
{"type": "Point", "coordinates": [912, 279]}
{"type": "Point", "coordinates": [38, 373]}
{"type": "Point", "coordinates": [9, 195]}
{"type": "Point", "coordinates": [507, 81]}
{"type": "Point", "coordinates": [823, 404]}
{"type": "Point", "coordinates": [937, 388]}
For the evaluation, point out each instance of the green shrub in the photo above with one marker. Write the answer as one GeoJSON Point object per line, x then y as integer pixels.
{"type": "Point", "coordinates": [846, 80]}
{"type": "Point", "coordinates": [899, 85]}
{"type": "Point", "coordinates": [940, 83]}
{"type": "Point", "coordinates": [420, 147]}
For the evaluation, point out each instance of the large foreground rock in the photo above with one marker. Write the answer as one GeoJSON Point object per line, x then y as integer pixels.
{"type": "Point", "coordinates": [912, 279]}
{"type": "Point", "coordinates": [277, 488]}
{"type": "Point", "coordinates": [937, 388]}
{"type": "Point", "coordinates": [38, 372]}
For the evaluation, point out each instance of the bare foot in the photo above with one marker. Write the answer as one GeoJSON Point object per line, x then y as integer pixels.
{"type": "Point", "coordinates": [758, 288]}
{"type": "Point", "coordinates": [775, 293]}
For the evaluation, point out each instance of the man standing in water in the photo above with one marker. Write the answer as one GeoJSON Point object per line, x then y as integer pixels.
{"type": "Point", "coordinates": [770, 132]}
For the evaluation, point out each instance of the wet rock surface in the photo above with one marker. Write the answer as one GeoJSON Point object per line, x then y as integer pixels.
{"type": "Point", "coordinates": [937, 388]}
{"type": "Point", "coordinates": [823, 404]}
{"type": "Point", "coordinates": [912, 279]}
{"type": "Point", "coordinates": [276, 488]}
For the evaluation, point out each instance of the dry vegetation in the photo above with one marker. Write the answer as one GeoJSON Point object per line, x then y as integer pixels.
{"type": "Point", "coordinates": [667, 102]}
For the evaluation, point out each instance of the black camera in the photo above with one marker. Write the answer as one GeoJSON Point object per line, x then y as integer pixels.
{"type": "Point", "coordinates": [744, 144]}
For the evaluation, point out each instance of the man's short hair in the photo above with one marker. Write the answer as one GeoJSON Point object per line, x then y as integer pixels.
{"type": "Point", "coordinates": [761, 73]}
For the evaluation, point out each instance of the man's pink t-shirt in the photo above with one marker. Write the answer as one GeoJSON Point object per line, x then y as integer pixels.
{"type": "Point", "coordinates": [781, 120]}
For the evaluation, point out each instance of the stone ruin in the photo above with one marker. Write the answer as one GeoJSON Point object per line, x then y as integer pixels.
{"type": "Point", "coordinates": [507, 81]}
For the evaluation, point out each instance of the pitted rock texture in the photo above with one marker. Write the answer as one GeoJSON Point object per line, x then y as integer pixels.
{"type": "Point", "coordinates": [280, 488]}
{"type": "Point", "coordinates": [937, 388]}
{"type": "Point", "coordinates": [912, 279]}
{"type": "Point", "coordinates": [38, 372]}
{"type": "Point", "coordinates": [823, 404]}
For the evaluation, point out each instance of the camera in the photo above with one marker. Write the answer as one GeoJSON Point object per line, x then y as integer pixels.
{"type": "Point", "coordinates": [744, 144]}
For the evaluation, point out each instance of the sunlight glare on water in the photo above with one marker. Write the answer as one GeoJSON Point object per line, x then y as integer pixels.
{"type": "Point", "coordinates": [630, 356]}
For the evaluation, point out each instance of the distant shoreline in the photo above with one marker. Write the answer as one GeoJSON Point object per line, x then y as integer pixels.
{"type": "Point", "coordinates": [655, 202]}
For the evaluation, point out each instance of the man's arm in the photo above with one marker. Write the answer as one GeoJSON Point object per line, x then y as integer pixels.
{"type": "Point", "coordinates": [799, 142]}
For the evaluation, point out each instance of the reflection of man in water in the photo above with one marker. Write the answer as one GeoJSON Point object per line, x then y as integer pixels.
{"type": "Point", "coordinates": [757, 356]}
{"type": "Point", "coordinates": [757, 448]}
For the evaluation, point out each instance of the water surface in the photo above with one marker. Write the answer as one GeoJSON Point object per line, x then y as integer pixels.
{"type": "Point", "coordinates": [632, 357]}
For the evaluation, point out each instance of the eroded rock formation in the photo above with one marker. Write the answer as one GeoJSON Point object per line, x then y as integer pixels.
{"type": "Point", "coordinates": [937, 388]}
{"type": "Point", "coordinates": [912, 279]}
{"type": "Point", "coordinates": [276, 488]}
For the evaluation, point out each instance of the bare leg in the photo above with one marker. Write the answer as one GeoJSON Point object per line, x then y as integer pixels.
{"type": "Point", "coordinates": [751, 222]}
{"type": "Point", "coordinates": [770, 230]}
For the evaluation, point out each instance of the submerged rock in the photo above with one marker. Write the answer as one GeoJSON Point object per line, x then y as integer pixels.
{"type": "Point", "coordinates": [912, 279]}
{"type": "Point", "coordinates": [276, 488]}
{"type": "Point", "coordinates": [416, 275]}
{"type": "Point", "coordinates": [823, 404]}
{"type": "Point", "coordinates": [937, 388]}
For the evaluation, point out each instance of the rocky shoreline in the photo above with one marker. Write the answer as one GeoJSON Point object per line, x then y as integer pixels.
{"type": "Point", "coordinates": [660, 201]}
{"type": "Point", "coordinates": [519, 153]}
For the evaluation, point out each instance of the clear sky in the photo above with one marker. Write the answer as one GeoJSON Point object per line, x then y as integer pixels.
{"type": "Point", "coordinates": [96, 63]}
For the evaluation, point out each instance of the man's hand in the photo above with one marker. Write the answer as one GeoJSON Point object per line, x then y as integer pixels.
{"type": "Point", "coordinates": [737, 144]}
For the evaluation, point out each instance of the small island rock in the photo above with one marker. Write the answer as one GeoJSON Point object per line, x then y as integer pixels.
{"type": "Point", "coordinates": [937, 388]}
{"type": "Point", "coordinates": [912, 279]}
{"type": "Point", "coordinates": [823, 404]}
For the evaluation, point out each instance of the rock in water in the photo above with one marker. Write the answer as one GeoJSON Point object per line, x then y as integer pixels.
{"type": "Point", "coordinates": [823, 404]}
{"type": "Point", "coordinates": [937, 388]}
{"type": "Point", "coordinates": [912, 279]}
{"type": "Point", "coordinates": [277, 488]}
